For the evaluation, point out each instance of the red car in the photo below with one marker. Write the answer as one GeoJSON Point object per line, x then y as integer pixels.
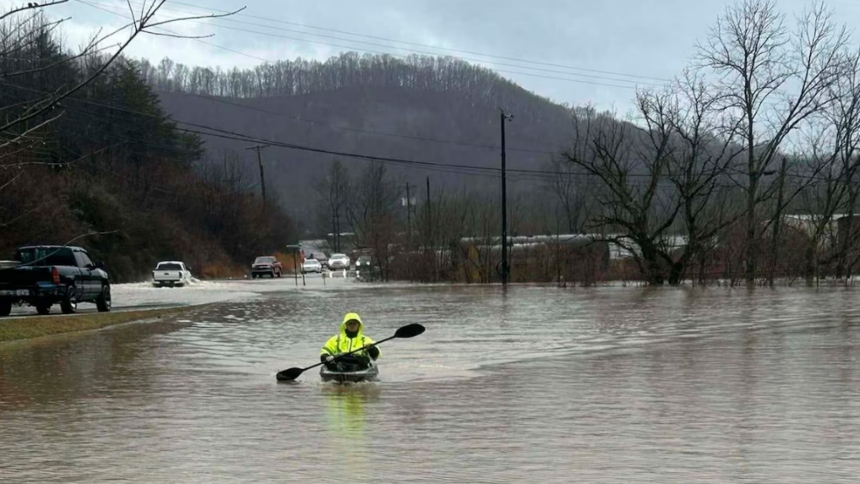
{"type": "Point", "coordinates": [265, 266]}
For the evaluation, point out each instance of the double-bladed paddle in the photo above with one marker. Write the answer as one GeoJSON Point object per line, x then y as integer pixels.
{"type": "Point", "coordinates": [408, 331]}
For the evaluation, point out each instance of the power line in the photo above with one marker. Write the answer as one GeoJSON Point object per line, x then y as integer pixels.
{"type": "Point", "coordinates": [358, 130]}
{"type": "Point", "coordinates": [345, 128]}
{"type": "Point", "coordinates": [437, 167]}
{"type": "Point", "coordinates": [227, 134]}
{"type": "Point", "coordinates": [353, 48]}
{"type": "Point", "coordinates": [233, 135]}
{"type": "Point", "coordinates": [296, 118]}
{"type": "Point", "coordinates": [324, 29]}
{"type": "Point", "coordinates": [162, 29]}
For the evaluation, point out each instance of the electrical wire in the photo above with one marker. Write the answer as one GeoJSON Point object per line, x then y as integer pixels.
{"type": "Point", "coordinates": [413, 51]}
{"type": "Point", "coordinates": [365, 131]}
{"type": "Point", "coordinates": [527, 61]}
{"type": "Point", "coordinates": [206, 130]}
{"type": "Point", "coordinates": [345, 128]}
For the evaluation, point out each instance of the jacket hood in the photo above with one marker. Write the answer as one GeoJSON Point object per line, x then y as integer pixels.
{"type": "Point", "coordinates": [349, 316]}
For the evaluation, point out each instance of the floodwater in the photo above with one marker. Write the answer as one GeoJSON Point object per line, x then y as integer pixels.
{"type": "Point", "coordinates": [532, 384]}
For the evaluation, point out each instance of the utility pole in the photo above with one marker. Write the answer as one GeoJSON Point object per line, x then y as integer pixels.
{"type": "Point", "coordinates": [336, 218]}
{"type": "Point", "coordinates": [428, 193]}
{"type": "Point", "coordinates": [408, 220]}
{"type": "Point", "coordinates": [505, 269]}
{"type": "Point", "coordinates": [259, 148]}
{"type": "Point", "coordinates": [409, 229]}
{"type": "Point", "coordinates": [557, 247]}
{"type": "Point", "coordinates": [431, 237]}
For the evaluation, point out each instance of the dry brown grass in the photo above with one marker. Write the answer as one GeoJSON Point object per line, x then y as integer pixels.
{"type": "Point", "coordinates": [223, 271]}
{"type": "Point", "coordinates": [287, 261]}
{"type": "Point", "coordinates": [36, 326]}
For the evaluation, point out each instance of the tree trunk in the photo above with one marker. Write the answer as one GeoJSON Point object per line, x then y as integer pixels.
{"type": "Point", "coordinates": [810, 258]}
{"type": "Point", "coordinates": [751, 239]}
{"type": "Point", "coordinates": [653, 268]}
{"type": "Point", "coordinates": [846, 243]}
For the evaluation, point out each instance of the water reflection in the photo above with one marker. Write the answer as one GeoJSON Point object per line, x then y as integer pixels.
{"type": "Point", "coordinates": [66, 366]}
{"type": "Point", "coordinates": [345, 410]}
{"type": "Point", "coordinates": [534, 384]}
{"type": "Point", "coordinates": [346, 442]}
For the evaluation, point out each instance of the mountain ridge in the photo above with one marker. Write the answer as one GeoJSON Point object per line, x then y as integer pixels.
{"type": "Point", "coordinates": [421, 110]}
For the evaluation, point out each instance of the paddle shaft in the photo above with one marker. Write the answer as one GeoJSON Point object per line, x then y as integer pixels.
{"type": "Point", "coordinates": [408, 331]}
{"type": "Point", "coordinates": [351, 352]}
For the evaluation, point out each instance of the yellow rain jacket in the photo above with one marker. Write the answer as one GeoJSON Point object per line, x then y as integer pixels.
{"type": "Point", "coordinates": [341, 343]}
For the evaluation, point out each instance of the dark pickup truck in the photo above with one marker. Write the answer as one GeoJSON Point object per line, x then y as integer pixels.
{"type": "Point", "coordinates": [48, 274]}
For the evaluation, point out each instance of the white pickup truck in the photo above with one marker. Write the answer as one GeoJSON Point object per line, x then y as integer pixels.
{"type": "Point", "coordinates": [171, 273]}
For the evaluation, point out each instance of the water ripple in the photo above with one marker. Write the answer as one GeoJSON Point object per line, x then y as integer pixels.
{"type": "Point", "coordinates": [533, 384]}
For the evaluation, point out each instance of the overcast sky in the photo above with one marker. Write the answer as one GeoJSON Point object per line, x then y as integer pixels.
{"type": "Point", "coordinates": [622, 38]}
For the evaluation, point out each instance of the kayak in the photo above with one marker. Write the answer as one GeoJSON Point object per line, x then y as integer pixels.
{"type": "Point", "coordinates": [348, 368]}
{"type": "Point", "coordinates": [365, 375]}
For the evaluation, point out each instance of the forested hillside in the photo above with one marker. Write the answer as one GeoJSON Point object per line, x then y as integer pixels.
{"type": "Point", "coordinates": [720, 165]}
{"type": "Point", "coordinates": [423, 109]}
{"type": "Point", "coordinates": [106, 169]}
{"type": "Point", "coordinates": [284, 78]}
{"type": "Point", "coordinates": [152, 159]}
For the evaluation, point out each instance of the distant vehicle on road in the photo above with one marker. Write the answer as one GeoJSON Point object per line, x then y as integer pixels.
{"type": "Point", "coordinates": [363, 262]}
{"type": "Point", "coordinates": [338, 261]}
{"type": "Point", "coordinates": [50, 274]}
{"type": "Point", "coordinates": [320, 257]}
{"type": "Point", "coordinates": [171, 273]}
{"type": "Point", "coordinates": [266, 266]}
{"type": "Point", "coordinates": [311, 265]}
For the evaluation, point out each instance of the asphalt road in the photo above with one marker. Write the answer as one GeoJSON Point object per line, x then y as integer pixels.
{"type": "Point", "coordinates": [142, 295]}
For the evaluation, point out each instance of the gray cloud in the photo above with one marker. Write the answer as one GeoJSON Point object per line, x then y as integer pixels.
{"type": "Point", "coordinates": [652, 38]}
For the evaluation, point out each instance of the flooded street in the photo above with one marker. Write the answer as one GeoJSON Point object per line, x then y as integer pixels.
{"type": "Point", "coordinates": [535, 384]}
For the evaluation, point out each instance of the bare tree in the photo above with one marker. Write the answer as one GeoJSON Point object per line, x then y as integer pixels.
{"type": "Point", "coordinates": [701, 154]}
{"type": "Point", "coordinates": [831, 188]}
{"type": "Point", "coordinates": [630, 165]}
{"type": "Point", "coordinates": [483, 252]}
{"type": "Point", "coordinates": [441, 223]}
{"type": "Point", "coordinates": [370, 212]}
{"type": "Point", "coordinates": [570, 184]}
{"type": "Point", "coordinates": [334, 189]}
{"type": "Point", "coordinates": [770, 81]}
{"type": "Point", "coordinates": [844, 115]}
{"type": "Point", "coordinates": [18, 125]}
{"type": "Point", "coordinates": [821, 200]}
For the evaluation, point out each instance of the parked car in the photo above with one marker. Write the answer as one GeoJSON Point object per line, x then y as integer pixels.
{"type": "Point", "coordinates": [266, 266]}
{"type": "Point", "coordinates": [171, 273]}
{"type": "Point", "coordinates": [48, 274]}
{"type": "Point", "coordinates": [338, 261]}
{"type": "Point", "coordinates": [320, 257]}
{"type": "Point", "coordinates": [311, 265]}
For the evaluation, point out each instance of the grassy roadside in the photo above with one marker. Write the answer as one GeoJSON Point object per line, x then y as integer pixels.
{"type": "Point", "coordinates": [37, 326]}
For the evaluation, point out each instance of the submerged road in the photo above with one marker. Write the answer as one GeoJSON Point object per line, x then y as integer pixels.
{"type": "Point", "coordinates": [143, 295]}
{"type": "Point", "coordinates": [532, 384]}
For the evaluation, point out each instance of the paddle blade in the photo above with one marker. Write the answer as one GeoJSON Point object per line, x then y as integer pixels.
{"type": "Point", "coordinates": [409, 331]}
{"type": "Point", "coordinates": [289, 374]}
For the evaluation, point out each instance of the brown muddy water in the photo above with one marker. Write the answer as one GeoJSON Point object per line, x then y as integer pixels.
{"type": "Point", "coordinates": [535, 384]}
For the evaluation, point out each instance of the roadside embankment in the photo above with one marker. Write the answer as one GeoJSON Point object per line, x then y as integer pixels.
{"type": "Point", "coordinates": [13, 329]}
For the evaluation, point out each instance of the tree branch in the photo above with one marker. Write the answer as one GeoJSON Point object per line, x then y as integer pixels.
{"type": "Point", "coordinates": [31, 6]}
{"type": "Point", "coordinates": [143, 23]}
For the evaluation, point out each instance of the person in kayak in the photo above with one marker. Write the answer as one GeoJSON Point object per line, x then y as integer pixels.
{"type": "Point", "coordinates": [351, 337]}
